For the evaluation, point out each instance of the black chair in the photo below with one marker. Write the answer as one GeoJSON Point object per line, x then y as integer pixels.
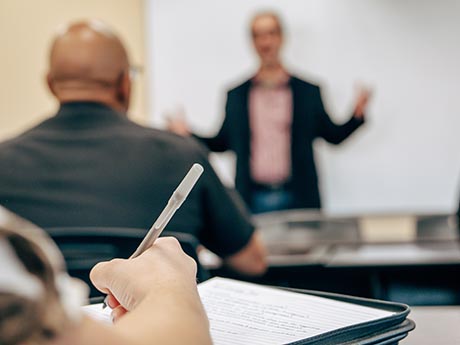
{"type": "Point", "coordinates": [83, 247]}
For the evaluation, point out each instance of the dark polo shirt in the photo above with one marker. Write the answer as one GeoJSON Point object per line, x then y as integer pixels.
{"type": "Point", "coordinates": [91, 166]}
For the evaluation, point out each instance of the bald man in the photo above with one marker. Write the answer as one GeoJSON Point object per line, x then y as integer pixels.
{"type": "Point", "coordinates": [90, 166]}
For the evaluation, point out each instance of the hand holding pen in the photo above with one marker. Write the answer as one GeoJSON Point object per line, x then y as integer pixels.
{"type": "Point", "coordinates": [174, 202]}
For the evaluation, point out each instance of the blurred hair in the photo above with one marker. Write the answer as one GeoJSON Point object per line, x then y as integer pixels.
{"type": "Point", "coordinates": [22, 319]}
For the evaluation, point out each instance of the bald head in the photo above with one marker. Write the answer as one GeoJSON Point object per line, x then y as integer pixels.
{"type": "Point", "coordinates": [89, 63]}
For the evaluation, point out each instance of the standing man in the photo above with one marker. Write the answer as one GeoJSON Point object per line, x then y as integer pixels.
{"type": "Point", "coordinates": [271, 121]}
{"type": "Point", "coordinates": [90, 166]}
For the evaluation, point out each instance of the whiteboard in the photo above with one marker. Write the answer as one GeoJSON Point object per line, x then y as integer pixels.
{"type": "Point", "coordinates": [407, 157]}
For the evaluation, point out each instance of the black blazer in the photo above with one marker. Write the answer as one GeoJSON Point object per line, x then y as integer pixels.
{"type": "Point", "coordinates": [310, 121]}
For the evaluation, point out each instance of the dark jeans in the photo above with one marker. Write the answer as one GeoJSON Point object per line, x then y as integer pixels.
{"type": "Point", "coordinates": [271, 200]}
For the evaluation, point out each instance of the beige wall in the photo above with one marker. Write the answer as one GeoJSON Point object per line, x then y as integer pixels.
{"type": "Point", "coordinates": [26, 30]}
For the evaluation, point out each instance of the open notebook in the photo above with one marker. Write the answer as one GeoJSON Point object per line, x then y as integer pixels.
{"type": "Point", "coordinates": [246, 313]}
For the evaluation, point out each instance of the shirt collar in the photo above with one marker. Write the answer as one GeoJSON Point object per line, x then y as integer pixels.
{"type": "Point", "coordinates": [282, 83]}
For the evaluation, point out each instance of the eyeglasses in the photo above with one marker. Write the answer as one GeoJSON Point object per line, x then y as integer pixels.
{"type": "Point", "coordinates": [266, 33]}
{"type": "Point", "coordinates": [135, 71]}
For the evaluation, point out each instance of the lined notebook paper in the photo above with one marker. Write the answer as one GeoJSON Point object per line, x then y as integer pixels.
{"type": "Point", "coordinates": [245, 313]}
{"type": "Point", "coordinates": [242, 313]}
{"type": "Point", "coordinates": [96, 312]}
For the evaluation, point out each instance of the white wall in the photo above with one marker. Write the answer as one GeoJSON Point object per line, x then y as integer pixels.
{"type": "Point", "coordinates": [406, 159]}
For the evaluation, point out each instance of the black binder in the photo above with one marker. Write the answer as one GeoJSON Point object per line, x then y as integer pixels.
{"type": "Point", "coordinates": [385, 331]}
{"type": "Point", "coordinates": [246, 312]}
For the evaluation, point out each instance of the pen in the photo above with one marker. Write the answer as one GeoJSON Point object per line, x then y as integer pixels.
{"type": "Point", "coordinates": [174, 202]}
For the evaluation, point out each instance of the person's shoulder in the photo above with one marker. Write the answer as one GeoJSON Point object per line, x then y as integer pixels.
{"type": "Point", "coordinates": [240, 86]}
{"type": "Point", "coordinates": [143, 131]}
{"type": "Point", "coordinates": [21, 138]}
{"type": "Point", "coordinates": [161, 138]}
{"type": "Point", "coordinates": [10, 150]}
{"type": "Point", "coordinates": [7, 145]}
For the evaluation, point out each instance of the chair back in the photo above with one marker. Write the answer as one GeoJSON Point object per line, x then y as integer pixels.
{"type": "Point", "coordinates": [83, 247]}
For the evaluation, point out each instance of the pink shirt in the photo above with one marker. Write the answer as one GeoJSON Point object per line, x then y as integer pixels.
{"type": "Point", "coordinates": [270, 119]}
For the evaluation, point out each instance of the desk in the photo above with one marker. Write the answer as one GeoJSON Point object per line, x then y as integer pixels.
{"type": "Point", "coordinates": [434, 325]}
{"type": "Point", "coordinates": [298, 231]}
{"type": "Point", "coordinates": [311, 251]}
